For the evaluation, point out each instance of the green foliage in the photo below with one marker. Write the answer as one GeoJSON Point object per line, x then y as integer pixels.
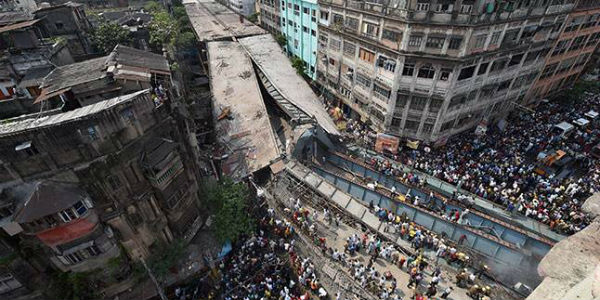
{"type": "Point", "coordinates": [163, 29]}
{"type": "Point", "coordinates": [153, 6]}
{"type": "Point", "coordinates": [71, 286]}
{"type": "Point", "coordinates": [165, 256]}
{"type": "Point", "coordinates": [253, 18]}
{"type": "Point", "coordinates": [281, 40]}
{"type": "Point", "coordinates": [185, 40]}
{"type": "Point", "coordinates": [179, 12]}
{"type": "Point", "coordinates": [228, 201]}
{"type": "Point", "coordinates": [108, 35]}
{"type": "Point", "coordinates": [299, 65]}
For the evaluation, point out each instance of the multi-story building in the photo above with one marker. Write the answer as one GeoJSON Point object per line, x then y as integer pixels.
{"type": "Point", "coordinates": [268, 16]}
{"type": "Point", "coordinates": [69, 22]}
{"type": "Point", "coordinates": [571, 52]}
{"type": "Point", "coordinates": [242, 7]}
{"type": "Point", "coordinates": [82, 182]}
{"type": "Point", "coordinates": [429, 69]}
{"type": "Point", "coordinates": [299, 26]}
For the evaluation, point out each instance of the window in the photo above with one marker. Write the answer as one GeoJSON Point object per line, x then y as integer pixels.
{"type": "Point", "coordinates": [515, 60]}
{"type": "Point", "coordinates": [455, 42]}
{"type": "Point", "coordinates": [435, 105]}
{"type": "Point", "coordinates": [495, 38]}
{"type": "Point", "coordinates": [498, 65]}
{"type": "Point", "coordinates": [59, 25]}
{"type": "Point", "coordinates": [466, 9]}
{"type": "Point", "coordinates": [549, 70]}
{"type": "Point", "coordinates": [113, 182]}
{"type": "Point", "coordinates": [366, 55]}
{"type": "Point", "coordinates": [74, 258]}
{"type": "Point", "coordinates": [296, 43]}
{"type": "Point", "coordinates": [426, 71]}
{"type": "Point", "coordinates": [391, 35]}
{"type": "Point", "coordinates": [444, 7]}
{"type": "Point", "coordinates": [418, 103]}
{"type": "Point", "coordinates": [67, 215]}
{"type": "Point", "coordinates": [435, 42]}
{"type": "Point", "coordinates": [445, 74]}
{"type": "Point", "coordinates": [305, 29]}
{"type": "Point", "coordinates": [409, 69]}
{"type": "Point", "coordinates": [411, 125]}
{"type": "Point", "coordinates": [335, 44]}
{"type": "Point", "coordinates": [561, 47]}
{"type": "Point", "coordinates": [349, 49]}
{"type": "Point", "coordinates": [415, 40]}
{"type": "Point", "coordinates": [305, 10]}
{"type": "Point", "coordinates": [480, 41]}
{"type": "Point", "coordinates": [401, 101]}
{"type": "Point", "coordinates": [466, 73]}
{"type": "Point", "coordinates": [313, 32]}
{"type": "Point", "coordinates": [363, 80]}
{"type": "Point", "coordinates": [427, 128]}
{"type": "Point", "coordinates": [338, 19]}
{"type": "Point", "coordinates": [370, 30]}
{"type": "Point", "coordinates": [447, 126]}
{"type": "Point", "coordinates": [381, 92]}
{"type": "Point", "coordinates": [296, 7]}
{"type": "Point", "coordinates": [578, 43]}
{"type": "Point", "coordinates": [290, 23]}
{"type": "Point", "coordinates": [386, 63]}
{"type": "Point", "coordinates": [352, 23]}
{"type": "Point", "coordinates": [422, 6]}
{"type": "Point", "coordinates": [510, 37]}
{"type": "Point", "coordinates": [80, 208]}
{"type": "Point", "coordinates": [504, 85]}
{"type": "Point", "coordinates": [324, 16]}
{"type": "Point", "coordinates": [483, 68]}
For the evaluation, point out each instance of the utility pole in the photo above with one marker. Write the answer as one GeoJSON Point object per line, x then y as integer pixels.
{"type": "Point", "coordinates": [159, 289]}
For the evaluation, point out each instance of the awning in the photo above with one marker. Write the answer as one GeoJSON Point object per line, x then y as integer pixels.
{"type": "Point", "coordinates": [17, 26]}
{"type": "Point", "coordinates": [45, 95]}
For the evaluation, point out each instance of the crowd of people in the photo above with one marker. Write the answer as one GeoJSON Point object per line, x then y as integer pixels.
{"type": "Point", "coordinates": [505, 165]}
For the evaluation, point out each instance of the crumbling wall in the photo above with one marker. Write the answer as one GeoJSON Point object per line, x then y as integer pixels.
{"type": "Point", "coordinates": [571, 269]}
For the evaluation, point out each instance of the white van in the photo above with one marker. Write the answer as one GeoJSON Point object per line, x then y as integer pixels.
{"type": "Point", "coordinates": [592, 115]}
{"type": "Point", "coordinates": [581, 122]}
{"type": "Point", "coordinates": [563, 129]}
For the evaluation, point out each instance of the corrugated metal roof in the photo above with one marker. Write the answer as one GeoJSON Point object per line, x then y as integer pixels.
{"type": "Point", "coordinates": [8, 127]}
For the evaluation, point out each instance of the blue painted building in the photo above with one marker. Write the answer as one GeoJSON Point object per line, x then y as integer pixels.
{"type": "Point", "coordinates": [299, 26]}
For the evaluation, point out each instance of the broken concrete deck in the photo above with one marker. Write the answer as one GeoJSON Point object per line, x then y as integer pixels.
{"type": "Point", "coordinates": [242, 123]}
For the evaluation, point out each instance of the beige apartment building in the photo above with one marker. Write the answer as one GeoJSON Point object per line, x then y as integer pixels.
{"type": "Point", "coordinates": [427, 70]}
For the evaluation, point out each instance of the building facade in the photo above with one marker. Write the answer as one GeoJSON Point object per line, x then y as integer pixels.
{"type": "Point", "coordinates": [299, 26]}
{"type": "Point", "coordinates": [268, 15]}
{"type": "Point", "coordinates": [571, 52]}
{"type": "Point", "coordinates": [108, 180]}
{"type": "Point", "coordinates": [427, 70]}
{"type": "Point", "coordinates": [28, 6]}
{"type": "Point", "coordinates": [242, 7]}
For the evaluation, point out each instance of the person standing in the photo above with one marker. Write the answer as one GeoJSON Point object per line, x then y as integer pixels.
{"type": "Point", "coordinates": [446, 292]}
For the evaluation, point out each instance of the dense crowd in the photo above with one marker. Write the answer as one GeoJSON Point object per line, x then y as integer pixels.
{"type": "Point", "coordinates": [504, 166]}
{"type": "Point", "coordinates": [500, 165]}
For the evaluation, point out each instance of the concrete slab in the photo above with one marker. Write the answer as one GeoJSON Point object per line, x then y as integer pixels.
{"type": "Point", "coordinates": [371, 220]}
{"type": "Point", "coordinates": [312, 180]}
{"type": "Point", "coordinates": [340, 198]}
{"type": "Point", "coordinates": [326, 189]}
{"type": "Point", "coordinates": [356, 209]}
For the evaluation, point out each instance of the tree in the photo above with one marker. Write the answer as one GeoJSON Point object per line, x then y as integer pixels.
{"type": "Point", "coordinates": [228, 200]}
{"type": "Point", "coordinates": [108, 35]}
{"type": "Point", "coordinates": [153, 6]}
{"type": "Point", "coordinates": [163, 29]}
{"type": "Point", "coordinates": [165, 256]}
{"type": "Point", "coordinates": [185, 40]}
{"type": "Point", "coordinates": [253, 18]}
{"type": "Point", "coordinates": [575, 93]}
{"type": "Point", "coordinates": [281, 40]}
{"type": "Point", "coordinates": [299, 65]}
{"type": "Point", "coordinates": [71, 285]}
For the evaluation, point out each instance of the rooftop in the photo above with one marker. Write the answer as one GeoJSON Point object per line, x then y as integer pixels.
{"type": "Point", "coordinates": [213, 21]}
{"type": "Point", "coordinates": [10, 17]}
{"type": "Point", "coordinates": [8, 127]}
{"type": "Point", "coordinates": [123, 61]}
{"type": "Point", "coordinates": [242, 126]}
{"type": "Point", "coordinates": [42, 198]}
{"type": "Point", "coordinates": [276, 66]}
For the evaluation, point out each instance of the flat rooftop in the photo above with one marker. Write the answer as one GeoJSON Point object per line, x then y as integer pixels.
{"type": "Point", "coordinates": [242, 124]}
{"type": "Point", "coordinates": [213, 21]}
{"type": "Point", "coordinates": [270, 59]}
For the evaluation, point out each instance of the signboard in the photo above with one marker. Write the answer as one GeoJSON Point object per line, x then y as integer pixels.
{"type": "Point", "coordinates": [387, 142]}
